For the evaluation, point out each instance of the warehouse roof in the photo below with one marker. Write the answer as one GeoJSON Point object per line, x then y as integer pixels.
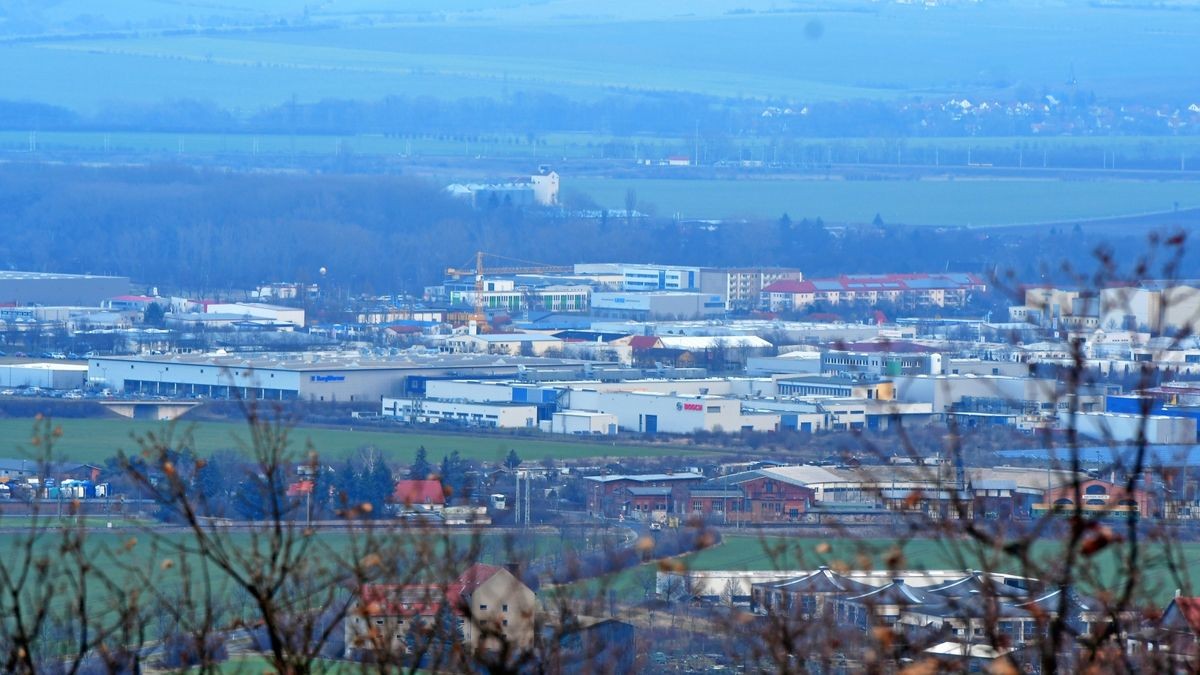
{"type": "Point", "coordinates": [310, 361]}
{"type": "Point", "coordinates": [647, 477]}
{"type": "Point", "coordinates": [16, 275]}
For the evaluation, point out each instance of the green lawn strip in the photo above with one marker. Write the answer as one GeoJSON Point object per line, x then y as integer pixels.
{"type": "Point", "coordinates": [94, 440]}
{"type": "Point", "coordinates": [1101, 573]}
{"type": "Point", "coordinates": [139, 561]}
{"type": "Point", "coordinates": [49, 519]}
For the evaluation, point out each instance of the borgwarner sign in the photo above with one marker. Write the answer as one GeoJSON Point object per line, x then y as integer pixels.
{"type": "Point", "coordinates": [327, 378]}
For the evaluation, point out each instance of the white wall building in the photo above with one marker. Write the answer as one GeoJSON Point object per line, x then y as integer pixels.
{"type": "Point", "coordinates": [258, 310]}
{"type": "Point", "coordinates": [461, 413]}
{"type": "Point", "coordinates": [515, 344]}
{"type": "Point", "coordinates": [309, 376]}
{"type": "Point", "coordinates": [582, 423]}
{"type": "Point", "coordinates": [657, 305]}
{"type": "Point", "coordinates": [43, 375]}
{"type": "Point", "coordinates": [1124, 428]}
{"type": "Point", "coordinates": [652, 412]}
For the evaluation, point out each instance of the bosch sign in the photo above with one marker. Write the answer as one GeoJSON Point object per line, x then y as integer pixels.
{"type": "Point", "coordinates": [689, 406]}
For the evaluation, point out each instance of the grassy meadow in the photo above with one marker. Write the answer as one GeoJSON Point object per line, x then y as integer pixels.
{"type": "Point", "coordinates": [94, 440]}
{"type": "Point", "coordinates": [728, 48]}
{"type": "Point", "coordinates": [751, 552]}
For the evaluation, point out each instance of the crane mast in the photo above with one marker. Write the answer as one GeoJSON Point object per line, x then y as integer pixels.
{"type": "Point", "coordinates": [478, 314]}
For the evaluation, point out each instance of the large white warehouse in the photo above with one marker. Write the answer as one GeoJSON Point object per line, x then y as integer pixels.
{"type": "Point", "coordinates": [652, 412]}
{"type": "Point", "coordinates": [308, 376]}
{"type": "Point", "coordinates": [43, 375]}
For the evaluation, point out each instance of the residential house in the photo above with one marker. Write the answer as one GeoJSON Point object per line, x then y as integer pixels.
{"type": "Point", "coordinates": [486, 607]}
{"type": "Point", "coordinates": [419, 495]}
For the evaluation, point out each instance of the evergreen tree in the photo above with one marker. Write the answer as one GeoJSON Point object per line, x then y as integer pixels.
{"type": "Point", "coordinates": [512, 461]}
{"type": "Point", "coordinates": [347, 492]}
{"type": "Point", "coordinates": [378, 486]}
{"type": "Point", "coordinates": [420, 468]}
{"type": "Point", "coordinates": [154, 315]}
{"type": "Point", "coordinates": [251, 499]}
{"type": "Point", "coordinates": [212, 480]}
{"type": "Point", "coordinates": [454, 475]}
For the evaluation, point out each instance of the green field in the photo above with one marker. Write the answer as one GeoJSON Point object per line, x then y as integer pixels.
{"type": "Point", "coordinates": [748, 552]}
{"type": "Point", "coordinates": [915, 202]}
{"type": "Point", "coordinates": [734, 48]}
{"type": "Point", "coordinates": [1012, 152]}
{"type": "Point", "coordinates": [94, 440]}
{"type": "Point", "coordinates": [160, 566]}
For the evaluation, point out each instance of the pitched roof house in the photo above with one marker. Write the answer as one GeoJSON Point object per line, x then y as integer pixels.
{"type": "Point", "coordinates": [425, 495]}
{"type": "Point", "coordinates": [485, 607]}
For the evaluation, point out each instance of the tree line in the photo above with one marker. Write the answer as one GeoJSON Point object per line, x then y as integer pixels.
{"type": "Point", "coordinates": [207, 231]}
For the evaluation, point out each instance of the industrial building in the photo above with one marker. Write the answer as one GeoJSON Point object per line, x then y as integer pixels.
{"type": "Point", "coordinates": [996, 393]}
{"type": "Point", "coordinates": [581, 422]}
{"type": "Point", "coordinates": [43, 375]}
{"type": "Point", "coordinates": [1127, 428]}
{"type": "Point", "coordinates": [1159, 307]}
{"type": "Point", "coordinates": [905, 290]}
{"type": "Point", "coordinates": [539, 189]}
{"type": "Point", "coordinates": [518, 295]}
{"type": "Point", "coordinates": [306, 376]}
{"type": "Point", "coordinates": [836, 386]}
{"type": "Point", "coordinates": [529, 344]}
{"type": "Point", "coordinates": [261, 311]}
{"type": "Point", "coordinates": [485, 414]}
{"type": "Point", "coordinates": [739, 288]}
{"type": "Point", "coordinates": [654, 412]}
{"type": "Point", "coordinates": [40, 288]}
{"type": "Point", "coordinates": [657, 305]}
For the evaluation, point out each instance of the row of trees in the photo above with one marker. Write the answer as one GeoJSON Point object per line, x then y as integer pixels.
{"type": "Point", "coordinates": [531, 114]}
{"type": "Point", "coordinates": [208, 231]}
{"type": "Point", "coordinates": [230, 486]}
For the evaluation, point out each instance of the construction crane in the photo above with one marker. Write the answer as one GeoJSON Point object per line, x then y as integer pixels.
{"type": "Point", "coordinates": [478, 315]}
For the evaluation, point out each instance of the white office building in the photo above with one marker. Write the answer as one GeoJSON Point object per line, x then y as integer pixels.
{"type": "Point", "coordinates": [461, 413]}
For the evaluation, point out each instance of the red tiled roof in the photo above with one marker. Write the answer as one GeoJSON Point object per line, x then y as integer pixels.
{"type": "Point", "coordinates": [419, 492]}
{"type": "Point", "coordinates": [876, 282]}
{"type": "Point", "coordinates": [790, 286]}
{"type": "Point", "coordinates": [475, 576]}
{"type": "Point", "coordinates": [642, 342]}
{"type": "Point", "coordinates": [409, 600]}
{"type": "Point", "coordinates": [887, 347]}
{"type": "Point", "coordinates": [300, 488]}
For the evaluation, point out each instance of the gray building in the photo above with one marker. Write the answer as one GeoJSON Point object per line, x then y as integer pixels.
{"type": "Point", "coordinates": [306, 376]}
{"type": "Point", "coordinates": [880, 363]}
{"type": "Point", "coordinates": [57, 375]}
{"type": "Point", "coordinates": [40, 288]}
{"type": "Point", "coordinates": [657, 305]}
